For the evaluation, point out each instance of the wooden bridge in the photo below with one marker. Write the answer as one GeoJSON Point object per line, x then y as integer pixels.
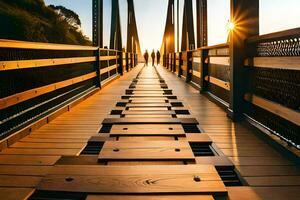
{"type": "Point", "coordinates": [213, 122]}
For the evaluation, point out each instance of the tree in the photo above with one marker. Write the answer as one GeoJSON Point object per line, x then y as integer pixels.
{"type": "Point", "coordinates": [32, 20]}
{"type": "Point", "coordinates": [70, 16]}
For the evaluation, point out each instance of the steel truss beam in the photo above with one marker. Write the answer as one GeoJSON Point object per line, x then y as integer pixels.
{"type": "Point", "coordinates": [98, 23]}
{"type": "Point", "coordinates": [188, 35]}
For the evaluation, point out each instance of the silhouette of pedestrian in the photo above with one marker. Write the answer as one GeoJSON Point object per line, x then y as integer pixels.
{"type": "Point", "coordinates": [158, 57]}
{"type": "Point", "coordinates": [146, 56]}
{"type": "Point", "coordinates": [153, 57]}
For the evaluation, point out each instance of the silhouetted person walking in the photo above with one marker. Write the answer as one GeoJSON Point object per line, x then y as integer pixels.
{"type": "Point", "coordinates": [158, 57]}
{"type": "Point", "coordinates": [146, 56]}
{"type": "Point", "coordinates": [153, 57]}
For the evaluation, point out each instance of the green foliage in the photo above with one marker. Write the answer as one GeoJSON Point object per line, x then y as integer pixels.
{"type": "Point", "coordinates": [32, 20]}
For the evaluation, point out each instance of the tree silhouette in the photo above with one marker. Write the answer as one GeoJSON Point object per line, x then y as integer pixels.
{"type": "Point", "coordinates": [70, 16]}
{"type": "Point", "coordinates": [32, 20]}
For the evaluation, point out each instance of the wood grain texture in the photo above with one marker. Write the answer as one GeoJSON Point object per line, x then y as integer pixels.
{"type": "Point", "coordinates": [29, 94]}
{"type": "Point", "coordinates": [38, 45]}
{"type": "Point", "coordinates": [269, 174]}
{"type": "Point", "coordinates": [150, 197]}
{"type": "Point", "coordinates": [15, 193]}
{"type": "Point", "coordinates": [290, 63]}
{"type": "Point", "coordinates": [223, 84]}
{"type": "Point", "coordinates": [147, 150]}
{"type": "Point", "coordinates": [150, 121]}
{"type": "Point", "coordinates": [275, 108]}
{"type": "Point", "coordinates": [24, 64]}
{"type": "Point", "coordinates": [134, 179]}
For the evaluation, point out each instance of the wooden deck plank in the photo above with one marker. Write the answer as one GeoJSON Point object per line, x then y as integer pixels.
{"type": "Point", "coordinates": [269, 171]}
{"type": "Point", "coordinates": [161, 129]}
{"type": "Point", "coordinates": [24, 170]}
{"type": "Point", "coordinates": [274, 181]}
{"type": "Point", "coordinates": [146, 138]}
{"type": "Point", "coordinates": [149, 121]}
{"type": "Point", "coordinates": [57, 145]}
{"type": "Point", "coordinates": [39, 151]}
{"type": "Point", "coordinates": [15, 193]}
{"type": "Point", "coordinates": [147, 116]}
{"type": "Point", "coordinates": [150, 197]}
{"type": "Point", "coordinates": [134, 179]}
{"type": "Point", "coordinates": [263, 193]}
{"type": "Point", "coordinates": [19, 181]}
{"type": "Point", "coordinates": [28, 160]}
{"type": "Point", "coordinates": [147, 150]}
{"type": "Point", "coordinates": [271, 175]}
{"type": "Point", "coordinates": [131, 184]}
{"type": "Point", "coordinates": [259, 161]}
{"type": "Point", "coordinates": [89, 170]}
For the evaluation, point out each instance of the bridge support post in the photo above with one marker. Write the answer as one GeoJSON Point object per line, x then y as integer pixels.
{"type": "Point", "coordinates": [168, 45]}
{"type": "Point", "coordinates": [97, 67]}
{"type": "Point", "coordinates": [245, 17]}
{"type": "Point", "coordinates": [98, 34]}
{"type": "Point", "coordinates": [188, 35]}
{"type": "Point", "coordinates": [201, 23]}
{"type": "Point", "coordinates": [133, 43]}
{"type": "Point", "coordinates": [98, 23]}
{"type": "Point", "coordinates": [115, 32]}
{"type": "Point", "coordinates": [203, 71]}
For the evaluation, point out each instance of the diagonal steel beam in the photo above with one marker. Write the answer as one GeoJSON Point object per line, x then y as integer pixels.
{"type": "Point", "coordinates": [168, 45]}
{"type": "Point", "coordinates": [115, 32]}
{"type": "Point", "coordinates": [188, 35]}
{"type": "Point", "coordinates": [133, 43]}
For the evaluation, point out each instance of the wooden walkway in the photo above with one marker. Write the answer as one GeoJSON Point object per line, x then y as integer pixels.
{"type": "Point", "coordinates": [149, 147]}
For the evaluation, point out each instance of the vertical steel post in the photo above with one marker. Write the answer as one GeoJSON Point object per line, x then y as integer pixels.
{"type": "Point", "coordinates": [98, 34]}
{"type": "Point", "coordinates": [98, 23]}
{"type": "Point", "coordinates": [245, 17]}
{"type": "Point", "coordinates": [201, 23]}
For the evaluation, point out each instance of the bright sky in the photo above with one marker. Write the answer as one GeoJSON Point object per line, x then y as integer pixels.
{"type": "Point", "coordinates": [275, 15]}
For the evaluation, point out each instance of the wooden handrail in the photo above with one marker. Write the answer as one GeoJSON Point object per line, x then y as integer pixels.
{"type": "Point", "coordinates": [275, 108]}
{"type": "Point", "coordinates": [14, 44]}
{"type": "Point", "coordinates": [111, 50]}
{"type": "Point", "coordinates": [196, 73]}
{"type": "Point", "coordinates": [30, 94]}
{"type": "Point", "coordinates": [290, 63]}
{"type": "Point", "coordinates": [222, 60]}
{"type": "Point", "coordinates": [218, 82]}
{"type": "Point", "coordinates": [104, 58]}
{"type": "Point", "coordinates": [277, 35]}
{"type": "Point", "coordinates": [107, 69]}
{"type": "Point", "coordinates": [218, 46]}
{"type": "Point", "coordinates": [22, 64]}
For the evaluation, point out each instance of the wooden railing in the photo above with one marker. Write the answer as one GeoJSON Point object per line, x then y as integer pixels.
{"type": "Point", "coordinates": [273, 92]}
{"type": "Point", "coordinates": [216, 72]}
{"type": "Point", "coordinates": [208, 68]}
{"type": "Point", "coordinates": [177, 64]}
{"type": "Point", "coordinates": [272, 74]}
{"type": "Point", "coordinates": [109, 65]}
{"type": "Point", "coordinates": [38, 78]}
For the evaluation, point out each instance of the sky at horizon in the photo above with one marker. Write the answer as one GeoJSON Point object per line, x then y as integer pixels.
{"type": "Point", "coordinates": [151, 16]}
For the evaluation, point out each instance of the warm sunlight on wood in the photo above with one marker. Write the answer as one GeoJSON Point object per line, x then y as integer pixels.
{"type": "Point", "coordinates": [153, 103]}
